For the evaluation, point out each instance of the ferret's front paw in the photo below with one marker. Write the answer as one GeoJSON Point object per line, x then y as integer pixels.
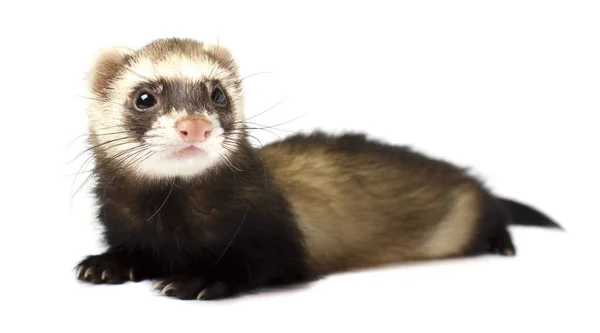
{"type": "Point", "coordinates": [187, 288]}
{"type": "Point", "coordinates": [107, 268]}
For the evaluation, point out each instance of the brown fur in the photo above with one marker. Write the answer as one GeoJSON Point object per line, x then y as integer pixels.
{"type": "Point", "coordinates": [363, 208]}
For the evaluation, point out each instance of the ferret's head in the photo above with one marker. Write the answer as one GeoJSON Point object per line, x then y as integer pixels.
{"type": "Point", "coordinates": [173, 108]}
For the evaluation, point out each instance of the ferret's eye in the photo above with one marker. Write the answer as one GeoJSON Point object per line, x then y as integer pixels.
{"type": "Point", "coordinates": [145, 101]}
{"type": "Point", "coordinates": [218, 97]}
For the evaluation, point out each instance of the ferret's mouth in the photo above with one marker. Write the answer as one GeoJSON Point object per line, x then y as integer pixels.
{"type": "Point", "coordinates": [188, 152]}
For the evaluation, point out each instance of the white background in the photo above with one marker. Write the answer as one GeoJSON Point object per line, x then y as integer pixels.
{"type": "Point", "coordinates": [509, 88]}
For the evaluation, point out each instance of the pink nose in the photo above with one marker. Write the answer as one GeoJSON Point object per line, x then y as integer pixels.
{"type": "Point", "coordinates": [194, 130]}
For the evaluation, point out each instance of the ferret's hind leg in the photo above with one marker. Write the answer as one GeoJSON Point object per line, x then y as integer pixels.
{"type": "Point", "coordinates": [502, 243]}
{"type": "Point", "coordinates": [492, 235]}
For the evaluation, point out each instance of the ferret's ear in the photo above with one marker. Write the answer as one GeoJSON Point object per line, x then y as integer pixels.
{"type": "Point", "coordinates": [105, 67]}
{"type": "Point", "coordinates": [221, 53]}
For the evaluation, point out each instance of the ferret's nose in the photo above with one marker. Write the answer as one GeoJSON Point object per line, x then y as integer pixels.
{"type": "Point", "coordinates": [194, 130]}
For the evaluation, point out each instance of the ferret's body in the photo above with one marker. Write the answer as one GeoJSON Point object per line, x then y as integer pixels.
{"type": "Point", "coordinates": [213, 216]}
{"type": "Point", "coordinates": [360, 203]}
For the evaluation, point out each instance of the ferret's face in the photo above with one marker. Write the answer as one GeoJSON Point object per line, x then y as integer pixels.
{"type": "Point", "coordinates": [171, 109]}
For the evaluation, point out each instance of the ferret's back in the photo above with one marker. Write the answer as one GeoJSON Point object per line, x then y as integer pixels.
{"type": "Point", "coordinates": [361, 202]}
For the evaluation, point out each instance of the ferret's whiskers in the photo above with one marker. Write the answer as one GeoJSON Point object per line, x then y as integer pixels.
{"type": "Point", "coordinates": [98, 100]}
{"type": "Point", "coordinates": [263, 127]}
{"type": "Point", "coordinates": [140, 159]}
{"type": "Point", "coordinates": [138, 152]}
{"type": "Point", "coordinates": [234, 235]}
{"type": "Point", "coordinates": [267, 110]}
{"type": "Point", "coordinates": [97, 134]}
{"type": "Point", "coordinates": [229, 149]}
{"type": "Point", "coordinates": [164, 202]}
{"type": "Point", "coordinates": [253, 74]}
{"type": "Point", "coordinates": [266, 130]}
{"type": "Point", "coordinates": [99, 145]}
{"type": "Point", "coordinates": [109, 160]}
{"type": "Point", "coordinates": [232, 171]}
{"type": "Point", "coordinates": [227, 146]}
{"type": "Point", "coordinates": [287, 122]}
{"type": "Point", "coordinates": [246, 134]}
{"type": "Point", "coordinates": [227, 161]}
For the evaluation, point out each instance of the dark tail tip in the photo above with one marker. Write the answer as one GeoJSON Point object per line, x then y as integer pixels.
{"type": "Point", "coordinates": [522, 214]}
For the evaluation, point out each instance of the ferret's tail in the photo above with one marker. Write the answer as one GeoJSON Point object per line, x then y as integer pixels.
{"type": "Point", "coordinates": [523, 214]}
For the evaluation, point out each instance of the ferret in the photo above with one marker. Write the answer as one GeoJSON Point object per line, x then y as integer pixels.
{"type": "Point", "coordinates": [185, 200]}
